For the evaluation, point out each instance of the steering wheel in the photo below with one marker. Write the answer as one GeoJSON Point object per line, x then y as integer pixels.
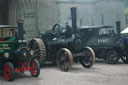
{"type": "Point", "coordinates": [59, 29]}
{"type": "Point", "coordinates": [56, 27]}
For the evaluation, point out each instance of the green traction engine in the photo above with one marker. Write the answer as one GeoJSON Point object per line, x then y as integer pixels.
{"type": "Point", "coordinates": [14, 54]}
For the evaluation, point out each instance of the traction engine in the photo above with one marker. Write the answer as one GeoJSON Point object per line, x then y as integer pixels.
{"type": "Point", "coordinates": [62, 45]}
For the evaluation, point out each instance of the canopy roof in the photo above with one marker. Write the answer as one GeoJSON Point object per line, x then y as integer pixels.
{"type": "Point", "coordinates": [8, 26]}
{"type": "Point", "coordinates": [125, 31]}
{"type": "Point", "coordinates": [96, 27]}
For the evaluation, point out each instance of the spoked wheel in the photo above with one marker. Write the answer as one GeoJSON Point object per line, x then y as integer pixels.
{"type": "Point", "coordinates": [64, 59]}
{"type": "Point", "coordinates": [9, 71]}
{"type": "Point", "coordinates": [35, 68]}
{"type": "Point", "coordinates": [88, 57]}
{"type": "Point", "coordinates": [124, 58]}
{"type": "Point", "coordinates": [38, 46]}
{"type": "Point", "coordinates": [112, 57]}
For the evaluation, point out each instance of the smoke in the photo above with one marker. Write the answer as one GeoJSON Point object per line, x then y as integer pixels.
{"type": "Point", "coordinates": [78, 0]}
{"type": "Point", "coordinates": [93, 12]}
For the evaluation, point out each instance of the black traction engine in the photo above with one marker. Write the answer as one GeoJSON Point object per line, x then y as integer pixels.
{"type": "Point", "coordinates": [63, 45]}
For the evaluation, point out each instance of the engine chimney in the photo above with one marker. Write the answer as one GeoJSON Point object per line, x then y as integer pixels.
{"type": "Point", "coordinates": [118, 27]}
{"type": "Point", "coordinates": [20, 29]}
{"type": "Point", "coordinates": [74, 18]}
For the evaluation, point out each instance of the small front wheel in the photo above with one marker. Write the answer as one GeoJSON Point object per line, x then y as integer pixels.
{"type": "Point", "coordinates": [64, 59]}
{"type": "Point", "coordinates": [9, 71]}
{"type": "Point", "coordinates": [88, 57]}
{"type": "Point", "coordinates": [112, 57]}
{"type": "Point", "coordinates": [35, 68]}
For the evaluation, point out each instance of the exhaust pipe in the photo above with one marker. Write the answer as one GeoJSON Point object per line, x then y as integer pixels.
{"type": "Point", "coordinates": [20, 30]}
{"type": "Point", "coordinates": [74, 19]}
{"type": "Point", "coordinates": [118, 27]}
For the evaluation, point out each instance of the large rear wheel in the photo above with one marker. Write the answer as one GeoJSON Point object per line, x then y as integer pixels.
{"type": "Point", "coordinates": [9, 71]}
{"type": "Point", "coordinates": [39, 48]}
{"type": "Point", "coordinates": [88, 57]}
{"type": "Point", "coordinates": [64, 59]}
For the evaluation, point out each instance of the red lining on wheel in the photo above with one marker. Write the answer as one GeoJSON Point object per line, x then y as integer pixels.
{"type": "Point", "coordinates": [7, 72]}
{"type": "Point", "coordinates": [33, 68]}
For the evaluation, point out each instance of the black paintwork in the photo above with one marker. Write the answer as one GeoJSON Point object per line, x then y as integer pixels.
{"type": "Point", "coordinates": [102, 42]}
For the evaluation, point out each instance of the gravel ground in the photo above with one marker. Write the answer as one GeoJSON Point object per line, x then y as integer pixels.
{"type": "Point", "coordinates": [99, 74]}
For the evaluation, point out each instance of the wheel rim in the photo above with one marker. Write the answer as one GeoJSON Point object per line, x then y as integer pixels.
{"type": "Point", "coordinates": [38, 46]}
{"type": "Point", "coordinates": [88, 57]}
{"type": "Point", "coordinates": [35, 48]}
{"type": "Point", "coordinates": [7, 72]}
{"type": "Point", "coordinates": [112, 57]}
{"type": "Point", "coordinates": [33, 68]}
{"type": "Point", "coordinates": [64, 59]}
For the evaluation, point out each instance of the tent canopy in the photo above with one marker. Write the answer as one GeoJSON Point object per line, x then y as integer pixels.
{"type": "Point", "coordinates": [125, 31]}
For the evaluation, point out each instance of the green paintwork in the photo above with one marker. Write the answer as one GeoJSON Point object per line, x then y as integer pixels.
{"type": "Point", "coordinates": [9, 47]}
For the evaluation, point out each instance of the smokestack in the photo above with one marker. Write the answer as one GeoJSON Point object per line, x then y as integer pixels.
{"type": "Point", "coordinates": [74, 18]}
{"type": "Point", "coordinates": [118, 27]}
{"type": "Point", "coordinates": [20, 29]}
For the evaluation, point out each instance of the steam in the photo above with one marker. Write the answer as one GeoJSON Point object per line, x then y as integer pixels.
{"type": "Point", "coordinates": [92, 12]}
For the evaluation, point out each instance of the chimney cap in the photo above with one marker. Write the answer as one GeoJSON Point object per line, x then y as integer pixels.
{"type": "Point", "coordinates": [73, 7]}
{"type": "Point", "coordinates": [20, 21]}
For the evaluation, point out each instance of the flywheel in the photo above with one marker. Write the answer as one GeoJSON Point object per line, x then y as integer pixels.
{"type": "Point", "coordinates": [39, 48]}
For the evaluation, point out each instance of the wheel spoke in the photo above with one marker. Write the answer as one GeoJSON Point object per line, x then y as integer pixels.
{"type": "Point", "coordinates": [33, 68]}
{"type": "Point", "coordinates": [64, 59]}
{"type": "Point", "coordinates": [112, 57]}
{"type": "Point", "coordinates": [9, 71]}
{"type": "Point", "coordinates": [89, 58]}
